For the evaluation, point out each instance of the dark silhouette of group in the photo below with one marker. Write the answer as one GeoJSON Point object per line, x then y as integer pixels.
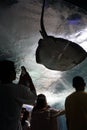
{"type": "Point", "coordinates": [43, 116]}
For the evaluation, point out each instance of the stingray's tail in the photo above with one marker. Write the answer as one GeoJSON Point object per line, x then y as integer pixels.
{"type": "Point", "coordinates": [43, 31]}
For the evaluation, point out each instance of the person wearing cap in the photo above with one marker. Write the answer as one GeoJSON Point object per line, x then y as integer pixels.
{"type": "Point", "coordinates": [76, 106]}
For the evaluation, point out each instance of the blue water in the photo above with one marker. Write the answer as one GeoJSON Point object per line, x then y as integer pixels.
{"type": "Point", "coordinates": [62, 123]}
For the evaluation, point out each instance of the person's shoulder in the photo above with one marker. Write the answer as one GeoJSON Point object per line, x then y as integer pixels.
{"type": "Point", "coordinates": [9, 85]}
{"type": "Point", "coordinates": [70, 96]}
{"type": "Point", "coordinates": [19, 87]}
{"type": "Point", "coordinates": [84, 94]}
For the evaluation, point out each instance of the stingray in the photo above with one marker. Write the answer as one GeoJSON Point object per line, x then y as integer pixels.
{"type": "Point", "coordinates": [57, 53]}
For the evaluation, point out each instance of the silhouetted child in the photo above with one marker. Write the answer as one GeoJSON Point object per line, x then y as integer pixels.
{"type": "Point", "coordinates": [26, 120]}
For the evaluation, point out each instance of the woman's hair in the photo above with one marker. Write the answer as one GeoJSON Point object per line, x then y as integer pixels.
{"type": "Point", "coordinates": [41, 101]}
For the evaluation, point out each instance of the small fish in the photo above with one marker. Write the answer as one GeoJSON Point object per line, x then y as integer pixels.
{"type": "Point", "coordinates": [57, 53]}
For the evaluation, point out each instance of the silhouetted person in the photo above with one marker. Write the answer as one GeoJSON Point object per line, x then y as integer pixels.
{"type": "Point", "coordinates": [12, 97]}
{"type": "Point", "coordinates": [26, 120]}
{"type": "Point", "coordinates": [76, 106]}
{"type": "Point", "coordinates": [43, 117]}
{"type": "Point", "coordinates": [25, 79]}
{"type": "Point", "coordinates": [22, 113]}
